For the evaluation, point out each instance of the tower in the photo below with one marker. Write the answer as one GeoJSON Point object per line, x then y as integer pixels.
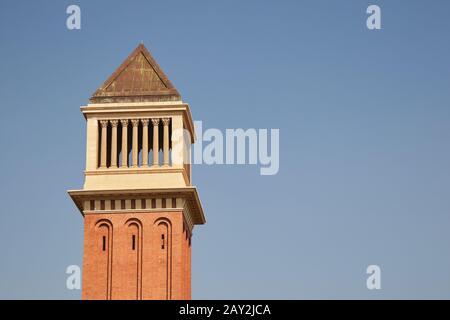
{"type": "Point", "coordinates": [138, 203]}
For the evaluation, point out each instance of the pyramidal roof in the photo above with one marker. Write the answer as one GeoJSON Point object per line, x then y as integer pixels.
{"type": "Point", "coordinates": [139, 78]}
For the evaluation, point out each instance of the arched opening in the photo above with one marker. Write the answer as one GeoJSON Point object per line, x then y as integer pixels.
{"type": "Point", "coordinates": [163, 250]}
{"type": "Point", "coordinates": [132, 279]}
{"type": "Point", "coordinates": [103, 258]}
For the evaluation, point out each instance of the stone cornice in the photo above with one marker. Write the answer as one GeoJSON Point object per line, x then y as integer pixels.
{"type": "Point", "coordinates": [193, 205]}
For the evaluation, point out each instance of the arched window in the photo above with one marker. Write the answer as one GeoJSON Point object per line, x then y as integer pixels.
{"type": "Point", "coordinates": [133, 259]}
{"type": "Point", "coordinates": [163, 232]}
{"type": "Point", "coordinates": [103, 257]}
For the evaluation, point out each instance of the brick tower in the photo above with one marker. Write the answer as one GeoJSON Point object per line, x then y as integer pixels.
{"type": "Point", "coordinates": [138, 203]}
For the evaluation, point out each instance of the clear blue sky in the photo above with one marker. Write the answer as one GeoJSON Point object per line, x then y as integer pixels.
{"type": "Point", "coordinates": [364, 126]}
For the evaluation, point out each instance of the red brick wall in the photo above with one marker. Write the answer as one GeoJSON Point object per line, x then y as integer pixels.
{"type": "Point", "coordinates": [136, 256]}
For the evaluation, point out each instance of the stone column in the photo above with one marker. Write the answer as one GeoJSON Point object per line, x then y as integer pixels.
{"type": "Point", "coordinates": [114, 124]}
{"type": "Point", "coordinates": [166, 122]}
{"type": "Point", "coordinates": [135, 152]}
{"type": "Point", "coordinates": [104, 125]}
{"type": "Point", "coordinates": [155, 123]}
{"type": "Point", "coordinates": [124, 143]}
{"type": "Point", "coordinates": [144, 142]}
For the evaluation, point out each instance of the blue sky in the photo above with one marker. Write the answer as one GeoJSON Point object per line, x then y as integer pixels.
{"type": "Point", "coordinates": [364, 140]}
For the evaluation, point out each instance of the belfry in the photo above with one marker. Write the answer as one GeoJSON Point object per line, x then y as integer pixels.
{"type": "Point", "coordinates": [138, 202]}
